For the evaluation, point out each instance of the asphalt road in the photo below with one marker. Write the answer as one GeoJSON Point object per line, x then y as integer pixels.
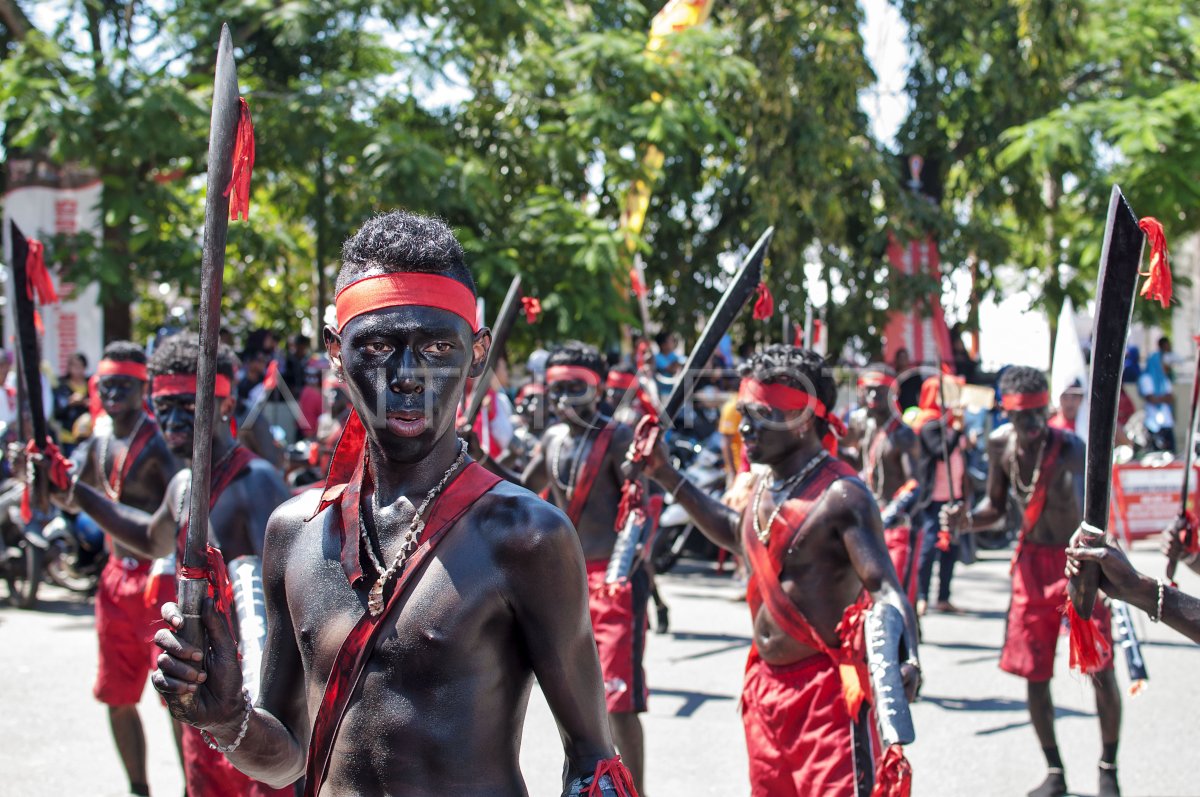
{"type": "Point", "coordinates": [974, 733]}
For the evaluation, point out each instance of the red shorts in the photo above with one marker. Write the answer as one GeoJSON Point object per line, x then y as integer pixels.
{"type": "Point", "coordinates": [126, 619]}
{"type": "Point", "coordinates": [904, 548]}
{"type": "Point", "coordinates": [798, 733]}
{"type": "Point", "coordinates": [1035, 616]}
{"type": "Point", "coordinates": [209, 773]}
{"type": "Point", "coordinates": [619, 627]}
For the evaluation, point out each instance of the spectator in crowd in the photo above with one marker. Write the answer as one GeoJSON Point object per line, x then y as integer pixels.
{"type": "Point", "coordinates": [966, 365]}
{"type": "Point", "coordinates": [310, 399]}
{"type": "Point", "coordinates": [667, 363]}
{"type": "Point", "coordinates": [1068, 408]}
{"type": "Point", "coordinates": [732, 446]}
{"type": "Point", "coordinates": [249, 387]}
{"type": "Point", "coordinates": [1155, 386]}
{"type": "Point", "coordinates": [8, 393]}
{"type": "Point", "coordinates": [293, 371]}
{"type": "Point", "coordinates": [71, 400]}
{"type": "Point", "coordinates": [908, 382]}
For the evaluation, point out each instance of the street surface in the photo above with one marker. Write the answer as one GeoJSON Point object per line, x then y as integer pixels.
{"type": "Point", "coordinates": [974, 733]}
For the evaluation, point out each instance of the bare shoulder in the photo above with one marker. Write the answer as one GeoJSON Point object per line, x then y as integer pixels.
{"type": "Point", "coordinates": [904, 436]}
{"type": "Point", "coordinates": [999, 439]}
{"type": "Point", "coordinates": [520, 527]}
{"type": "Point", "coordinates": [292, 515]}
{"type": "Point", "coordinates": [851, 495]}
{"type": "Point", "coordinates": [622, 436]}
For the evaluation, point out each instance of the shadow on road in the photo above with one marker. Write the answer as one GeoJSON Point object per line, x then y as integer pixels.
{"type": "Point", "coordinates": [692, 701]}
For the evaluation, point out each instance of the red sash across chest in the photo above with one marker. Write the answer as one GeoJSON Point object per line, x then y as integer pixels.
{"type": "Point", "coordinates": [1037, 500]}
{"type": "Point", "coordinates": [459, 496]}
{"type": "Point", "coordinates": [587, 474]}
{"type": "Point", "coordinates": [145, 434]}
{"type": "Point", "coordinates": [764, 586]}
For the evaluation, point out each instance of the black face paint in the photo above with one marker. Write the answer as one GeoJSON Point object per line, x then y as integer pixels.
{"type": "Point", "coordinates": [120, 394]}
{"type": "Point", "coordinates": [406, 369]}
{"type": "Point", "coordinates": [177, 418]}
{"type": "Point", "coordinates": [769, 434]}
{"type": "Point", "coordinates": [1030, 424]}
{"type": "Point", "coordinates": [573, 400]}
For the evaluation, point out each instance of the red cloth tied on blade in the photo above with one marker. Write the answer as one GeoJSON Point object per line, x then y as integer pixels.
{"type": "Point", "coordinates": [1090, 648]}
{"type": "Point", "coordinates": [1037, 499]}
{"type": "Point", "coordinates": [219, 588]}
{"type": "Point", "coordinates": [58, 469]}
{"type": "Point", "coordinates": [471, 483]}
{"type": "Point", "coordinates": [38, 285]}
{"type": "Point", "coordinates": [532, 307]}
{"type": "Point", "coordinates": [1158, 283]}
{"type": "Point", "coordinates": [645, 436]}
{"type": "Point", "coordinates": [621, 778]}
{"type": "Point", "coordinates": [893, 774]}
{"type": "Point", "coordinates": [783, 397]}
{"type": "Point", "coordinates": [764, 304]}
{"type": "Point", "coordinates": [238, 189]}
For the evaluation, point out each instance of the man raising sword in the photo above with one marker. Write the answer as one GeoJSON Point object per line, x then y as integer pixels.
{"type": "Point", "coordinates": [813, 539]}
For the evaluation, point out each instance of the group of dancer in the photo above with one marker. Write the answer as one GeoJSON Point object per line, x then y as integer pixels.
{"type": "Point", "coordinates": [413, 597]}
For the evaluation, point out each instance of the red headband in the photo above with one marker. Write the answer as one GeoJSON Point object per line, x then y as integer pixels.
{"type": "Point", "coordinates": [619, 380]}
{"type": "Point", "coordinates": [570, 373]}
{"type": "Point", "coordinates": [876, 379]}
{"type": "Point", "coordinates": [118, 368]}
{"type": "Point", "coordinates": [1025, 401]}
{"type": "Point", "coordinates": [185, 384]}
{"type": "Point", "coordinates": [397, 290]}
{"type": "Point", "coordinates": [782, 397]}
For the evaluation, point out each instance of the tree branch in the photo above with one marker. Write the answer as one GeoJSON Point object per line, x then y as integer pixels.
{"type": "Point", "coordinates": [14, 19]}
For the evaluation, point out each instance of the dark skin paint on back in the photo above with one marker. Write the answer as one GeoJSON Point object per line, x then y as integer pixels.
{"type": "Point", "coordinates": [502, 600]}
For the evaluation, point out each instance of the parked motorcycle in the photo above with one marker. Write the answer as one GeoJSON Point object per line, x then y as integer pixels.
{"type": "Point", "coordinates": [677, 534]}
{"type": "Point", "coordinates": [24, 553]}
{"type": "Point", "coordinates": [75, 552]}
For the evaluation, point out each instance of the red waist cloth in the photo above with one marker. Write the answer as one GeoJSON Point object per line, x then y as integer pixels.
{"type": "Point", "coordinates": [619, 621]}
{"type": "Point", "coordinates": [1035, 616]}
{"type": "Point", "coordinates": [125, 627]}
{"type": "Point", "coordinates": [798, 732]}
{"type": "Point", "coordinates": [904, 549]}
{"type": "Point", "coordinates": [208, 773]}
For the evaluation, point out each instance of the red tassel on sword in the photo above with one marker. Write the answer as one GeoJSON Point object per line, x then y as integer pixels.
{"type": "Point", "coordinates": [764, 305]}
{"type": "Point", "coordinates": [38, 284]}
{"type": "Point", "coordinates": [1089, 648]}
{"type": "Point", "coordinates": [243, 165]}
{"type": "Point", "coordinates": [1158, 283]}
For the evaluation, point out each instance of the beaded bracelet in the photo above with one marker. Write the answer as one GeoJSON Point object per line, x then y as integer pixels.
{"type": "Point", "coordinates": [1158, 612]}
{"type": "Point", "coordinates": [212, 743]}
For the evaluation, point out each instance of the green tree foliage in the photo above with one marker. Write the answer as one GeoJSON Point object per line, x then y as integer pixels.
{"type": "Point", "coordinates": [1032, 112]}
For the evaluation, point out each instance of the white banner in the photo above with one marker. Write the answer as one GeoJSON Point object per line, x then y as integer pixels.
{"type": "Point", "coordinates": [45, 202]}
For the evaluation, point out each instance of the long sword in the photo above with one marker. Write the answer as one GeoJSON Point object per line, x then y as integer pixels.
{"type": "Point", "coordinates": [500, 332]}
{"type": "Point", "coordinates": [222, 133]}
{"type": "Point", "coordinates": [1120, 259]}
{"type": "Point", "coordinates": [635, 531]}
{"type": "Point", "coordinates": [28, 361]}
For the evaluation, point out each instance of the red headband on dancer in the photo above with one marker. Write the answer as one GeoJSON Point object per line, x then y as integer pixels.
{"type": "Point", "coordinates": [185, 385]}
{"type": "Point", "coordinates": [876, 379]}
{"type": "Point", "coordinates": [407, 288]}
{"type": "Point", "coordinates": [122, 368]}
{"type": "Point", "coordinates": [619, 380]}
{"type": "Point", "coordinates": [572, 373]}
{"type": "Point", "coordinates": [1025, 401]}
{"type": "Point", "coordinates": [782, 397]}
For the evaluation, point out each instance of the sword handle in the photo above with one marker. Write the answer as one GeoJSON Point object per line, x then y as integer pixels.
{"type": "Point", "coordinates": [1172, 565]}
{"type": "Point", "coordinates": [192, 592]}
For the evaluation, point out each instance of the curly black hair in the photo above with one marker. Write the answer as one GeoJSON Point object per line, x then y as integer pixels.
{"type": "Point", "coordinates": [399, 242]}
{"type": "Point", "coordinates": [180, 354]}
{"type": "Point", "coordinates": [1023, 379]}
{"type": "Point", "coordinates": [573, 352]}
{"type": "Point", "coordinates": [124, 351]}
{"type": "Point", "coordinates": [795, 367]}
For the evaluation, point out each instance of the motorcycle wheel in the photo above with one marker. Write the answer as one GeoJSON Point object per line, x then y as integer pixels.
{"type": "Point", "coordinates": [23, 575]}
{"type": "Point", "coordinates": [668, 549]}
{"type": "Point", "coordinates": [59, 570]}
